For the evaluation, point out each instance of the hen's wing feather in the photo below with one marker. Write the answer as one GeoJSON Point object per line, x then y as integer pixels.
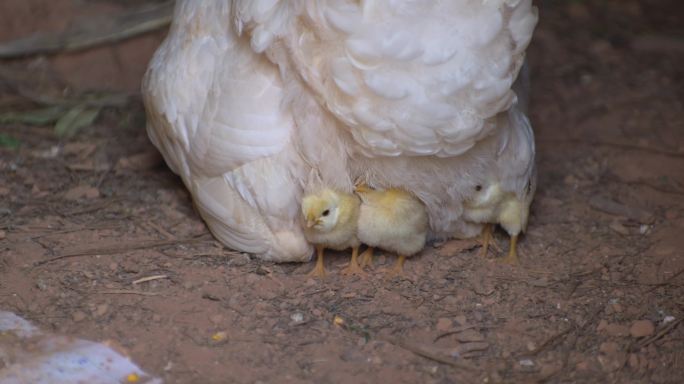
{"type": "Point", "coordinates": [214, 110]}
{"type": "Point", "coordinates": [221, 101]}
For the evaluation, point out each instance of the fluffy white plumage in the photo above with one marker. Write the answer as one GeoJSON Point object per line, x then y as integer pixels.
{"type": "Point", "coordinates": [246, 97]}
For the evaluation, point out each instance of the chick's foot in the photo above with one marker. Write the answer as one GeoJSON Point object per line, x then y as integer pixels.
{"type": "Point", "coordinates": [319, 269]}
{"type": "Point", "coordinates": [398, 269]}
{"type": "Point", "coordinates": [353, 268]}
{"type": "Point", "coordinates": [367, 258]}
{"type": "Point", "coordinates": [512, 257]}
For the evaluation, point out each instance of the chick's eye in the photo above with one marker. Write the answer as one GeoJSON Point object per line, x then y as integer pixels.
{"type": "Point", "coordinates": [478, 188]}
{"type": "Point", "coordinates": [326, 212]}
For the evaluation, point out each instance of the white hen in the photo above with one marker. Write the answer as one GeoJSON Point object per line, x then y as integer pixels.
{"type": "Point", "coordinates": [246, 97]}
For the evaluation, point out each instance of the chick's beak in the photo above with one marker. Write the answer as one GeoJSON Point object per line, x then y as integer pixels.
{"type": "Point", "coordinates": [362, 188]}
{"type": "Point", "coordinates": [310, 221]}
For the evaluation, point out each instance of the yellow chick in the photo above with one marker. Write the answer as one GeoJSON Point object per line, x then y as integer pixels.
{"type": "Point", "coordinates": [330, 222]}
{"type": "Point", "coordinates": [506, 192]}
{"type": "Point", "coordinates": [491, 204]}
{"type": "Point", "coordinates": [393, 220]}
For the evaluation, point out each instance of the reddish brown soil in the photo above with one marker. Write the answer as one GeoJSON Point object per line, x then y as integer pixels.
{"type": "Point", "coordinates": [603, 250]}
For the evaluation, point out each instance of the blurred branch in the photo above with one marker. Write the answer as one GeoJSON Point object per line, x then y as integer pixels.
{"type": "Point", "coordinates": [93, 32]}
{"type": "Point", "coordinates": [15, 80]}
{"type": "Point", "coordinates": [659, 44]}
{"type": "Point", "coordinates": [626, 147]}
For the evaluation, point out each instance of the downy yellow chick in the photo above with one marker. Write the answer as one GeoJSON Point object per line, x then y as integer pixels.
{"type": "Point", "coordinates": [393, 220]}
{"type": "Point", "coordinates": [505, 195]}
{"type": "Point", "coordinates": [330, 222]}
{"type": "Point", "coordinates": [493, 205]}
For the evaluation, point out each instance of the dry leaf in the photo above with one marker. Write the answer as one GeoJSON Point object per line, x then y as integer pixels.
{"type": "Point", "coordinates": [453, 247]}
{"type": "Point", "coordinates": [81, 192]}
{"type": "Point", "coordinates": [140, 162]}
{"type": "Point", "coordinates": [43, 116]}
{"type": "Point", "coordinates": [75, 119]}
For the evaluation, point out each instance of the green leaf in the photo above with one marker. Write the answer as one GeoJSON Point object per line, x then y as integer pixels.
{"type": "Point", "coordinates": [75, 119]}
{"type": "Point", "coordinates": [43, 116]}
{"type": "Point", "coordinates": [7, 141]}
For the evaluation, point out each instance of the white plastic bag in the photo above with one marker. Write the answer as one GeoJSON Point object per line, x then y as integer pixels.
{"type": "Point", "coordinates": [28, 355]}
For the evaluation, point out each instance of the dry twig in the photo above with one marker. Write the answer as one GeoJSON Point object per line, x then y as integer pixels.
{"type": "Point", "coordinates": [119, 249]}
{"type": "Point", "coordinates": [667, 281]}
{"type": "Point", "coordinates": [127, 292]}
{"type": "Point", "coordinates": [455, 331]}
{"type": "Point", "coordinates": [625, 147]}
{"type": "Point", "coordinates": [426, 354]}
{"type": "Point", "coordinates": [150, 278]}
{"type": "Point", "coordinates": [90, 33]}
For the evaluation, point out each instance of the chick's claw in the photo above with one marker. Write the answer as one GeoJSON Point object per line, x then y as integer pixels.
{"type": "Point", "coordinates": [397, 270]}
{"type": "Point", "coordinates": [318, 271]}
{"type": "Point", "coordinates": [353, 268]}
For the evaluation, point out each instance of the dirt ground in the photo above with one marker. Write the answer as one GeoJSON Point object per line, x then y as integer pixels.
{"type": "Point", "coordinates": [599, 296]}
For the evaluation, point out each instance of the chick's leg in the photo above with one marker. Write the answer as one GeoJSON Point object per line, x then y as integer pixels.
{"type": "Point", "coordinates": [512, 257]}
{"type": "Point", "coordinates": [367, 258]}
{"type": "Point", "coordinates": [398, 269]}
{"type": "Point", "coordinates": [353, 268]}
{"type": "Point", "coordinates": [488, 239]}
{"type": "Point", "coordinates": [319, 269]}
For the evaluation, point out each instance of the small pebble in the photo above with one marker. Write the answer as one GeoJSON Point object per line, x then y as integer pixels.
{"type": "Point", "coordinates": [297, 317]}
{"type": "Point", "coordinates": [40, 284]}
{"type": "Point", "coordinates": [608, 347]}
{"type": "Point", "coordinates": [219, 336]}
{"type": "Point", "coordinates": [641, 328]}
{"type": "Point", "coordinates": [444, 324]}
{"type": "Point", "coordinates": [602, 325]}
{"type": "Point", "coordinates": [101, 310]}
{"type": "Point", "coordinates": [582, 365]}
{"type": "Point", "coordinates": [570, 180]}
{"type": "Point", "coordinates": [78, 316]}
{"type": "Point", "coordinates": [633, 361]}
{"type": "Point", "coordinates": [617, 330]}
{"type": "Point", "coordinates": [668, 319]}
{"type": "Point", "coordinates": [526, 363]}
{"type": "Point", "coordinates": [619, 228]}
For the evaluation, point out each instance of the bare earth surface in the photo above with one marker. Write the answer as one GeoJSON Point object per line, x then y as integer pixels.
{"type": "Point", "coordinates": [98, 239]}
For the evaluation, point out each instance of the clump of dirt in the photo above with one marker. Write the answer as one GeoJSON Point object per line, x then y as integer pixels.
{"type": "Point", "coordinates": [98, 239]}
